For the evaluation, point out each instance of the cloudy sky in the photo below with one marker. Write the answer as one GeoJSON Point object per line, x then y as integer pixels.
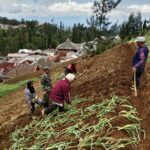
{"type": "Point", "coordinates": [68, 11]}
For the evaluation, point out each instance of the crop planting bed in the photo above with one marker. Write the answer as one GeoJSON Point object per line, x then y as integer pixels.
{"type": "Point", "coordinates": [91, 127]}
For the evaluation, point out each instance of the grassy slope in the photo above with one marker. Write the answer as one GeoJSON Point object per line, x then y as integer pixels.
{"type": "Point", "coordinates": [6, 89]}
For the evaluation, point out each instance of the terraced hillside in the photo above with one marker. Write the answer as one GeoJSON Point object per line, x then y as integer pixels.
{"type": "Point", "coordinates": [97, 118]}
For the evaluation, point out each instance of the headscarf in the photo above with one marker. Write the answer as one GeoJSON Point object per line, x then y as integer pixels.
{"type": "Point", "coordinates": [70, 77]}
{"type": "Point", "coordinates": [30, 87]}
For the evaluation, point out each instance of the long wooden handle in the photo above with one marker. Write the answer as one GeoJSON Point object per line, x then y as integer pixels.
{"type": "Point", "coordinates": [135, 89]}
{"type": "Point", "coordinates": [82, 73]}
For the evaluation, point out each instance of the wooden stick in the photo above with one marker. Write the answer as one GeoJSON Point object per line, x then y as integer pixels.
{"type": "Point", "coordinates": [82, 73]}
{"type": "Point", "coordinates": [135, 89]}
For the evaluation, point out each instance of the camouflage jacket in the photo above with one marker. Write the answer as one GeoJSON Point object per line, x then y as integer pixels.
{"type": "Point", "coordinates": [46, 82]}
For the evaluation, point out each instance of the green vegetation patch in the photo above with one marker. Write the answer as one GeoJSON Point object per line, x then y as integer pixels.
{"type": "Point", "coordinates": [6, 89]}
{"type": "Point", "coordinates": [110, 124]}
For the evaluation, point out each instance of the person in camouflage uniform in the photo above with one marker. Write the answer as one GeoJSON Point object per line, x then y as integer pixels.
{"type": "Point", "coordinates": [46, 86]}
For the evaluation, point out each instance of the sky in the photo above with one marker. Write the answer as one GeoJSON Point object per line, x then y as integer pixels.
{"type": "Point", "coordinates": [68, 11]}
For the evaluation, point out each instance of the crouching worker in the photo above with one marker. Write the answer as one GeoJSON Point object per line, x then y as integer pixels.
{"type": "Point", "coordinates": [60, 94]}
{"type": "Point", "coordinates": [31, 98]}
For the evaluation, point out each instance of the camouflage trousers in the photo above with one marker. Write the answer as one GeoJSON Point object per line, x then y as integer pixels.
{"type": "Point", "coordinates": [46, 99]}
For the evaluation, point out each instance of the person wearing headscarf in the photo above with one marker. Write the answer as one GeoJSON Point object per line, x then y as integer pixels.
{"type": "Point", "coordinates": [30, 97]}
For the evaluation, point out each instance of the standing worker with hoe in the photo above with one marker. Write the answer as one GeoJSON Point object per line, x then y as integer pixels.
{"type": "Point", "coordinates": [46, 86]}
{"type": "Point", "coordinates": [138, 62]}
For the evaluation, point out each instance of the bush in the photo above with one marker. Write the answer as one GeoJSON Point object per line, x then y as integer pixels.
{"type": "Point", "coordinates": [101, 46]}
{"type": "Point", "coordinates": [104, 45]}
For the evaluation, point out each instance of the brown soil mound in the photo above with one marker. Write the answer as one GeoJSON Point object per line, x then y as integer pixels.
{"type": "Point", "coordinates": [111, 73]}
{"type": "Point", "coordinates": [103, 76]}
{"type": "Point", "coordinates": [107, 74]}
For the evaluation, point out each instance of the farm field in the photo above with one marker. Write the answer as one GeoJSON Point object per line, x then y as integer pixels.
{"type": "Point", "coordinates": [104, 114]}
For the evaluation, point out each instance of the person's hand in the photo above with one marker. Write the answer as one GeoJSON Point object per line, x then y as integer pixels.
{"type": "Point", "coordinates": [33, 100]}
{"type": "Point", "coordinates": [134, 69]}
{"type": "Point", "coordinates": [44, 92]}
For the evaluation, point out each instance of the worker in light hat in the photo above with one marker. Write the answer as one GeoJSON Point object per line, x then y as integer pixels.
{"type": "Point", "coordinates": [139, 59]}
{"type": "Point", "coordinates": [60, 94]}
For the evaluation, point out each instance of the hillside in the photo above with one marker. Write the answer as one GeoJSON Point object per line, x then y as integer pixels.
{"type": "Point", "coordinates": [95, 119]}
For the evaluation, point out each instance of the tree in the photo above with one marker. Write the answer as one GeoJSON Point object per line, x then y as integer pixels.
{"type": "Point", "coordinates": [114, 30]}
{"type": "Point", "coordinates": [132, 27]}
{"type": "Point", "coordinates": [78, 33]}
{"type": "Point", "coordinates": [100, 10]}
{"type": "Point", "coordinates": [100, 25]}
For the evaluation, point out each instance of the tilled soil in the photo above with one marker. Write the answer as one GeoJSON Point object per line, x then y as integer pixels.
{"type": "Point", "coordinates": [101, 77]}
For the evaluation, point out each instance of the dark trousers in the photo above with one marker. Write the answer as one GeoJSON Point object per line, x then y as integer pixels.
{"type": "Point", "coordinates": [52, 107]}
{"type": "Point", "coordinates": [138, 78]}
{"type": "Point", "coordinates": [31, 106]}
{"type": "Point", "coordinates": [46, 99]}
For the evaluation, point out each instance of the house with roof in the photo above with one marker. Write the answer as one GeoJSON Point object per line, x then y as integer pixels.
{"type": "Point", "coordinates": [37, 52]}
{"type": "Point", "coordinates": [69, 50]}
{"type": "Point", "coordinates": [2, 59]}
{"type": "Point", "coordinates": [25, 51]}
{"type": "Point", "coordinates": [50, 52]}
{"type": "Point", "coordinates": [66, 47]}
{"type": "Point", "coordinates": [31, 59]}
{"type": "Point", "coordinates": [7, 26]}
{"type": "Point", "coordinates": [16, 55]}
{"type": "Point", "coordinates": [6, 67]}
{"type": "Point", "coordinates": [24, 67]}
{"type": "Point", "coordinates": [3, 26]}
{"type": "Point", "coordinates": [21, 69]}
{"type": "Point", "coordinates": [43, 62]}
{"type": "Point", "coordinates": [13, 60]}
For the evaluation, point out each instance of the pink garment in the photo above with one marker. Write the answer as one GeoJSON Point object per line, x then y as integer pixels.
{"type": "Point", "coordinates": [60, 93]}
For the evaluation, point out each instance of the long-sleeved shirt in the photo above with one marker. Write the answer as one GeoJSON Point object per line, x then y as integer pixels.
{"type": "Point", "coordinates": [46, 82]}
{"type": "Point", "coordinates": [60, 93]}
{"type": "Point", "coordinates": [28, 95]}
{"type": "Point", "coordinates": [140, 58]}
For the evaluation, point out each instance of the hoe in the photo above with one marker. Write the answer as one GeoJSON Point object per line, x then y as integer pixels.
{"type": "Point", "coordinates": [135, 88]}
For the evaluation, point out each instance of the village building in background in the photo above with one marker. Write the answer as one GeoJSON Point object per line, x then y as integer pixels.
{"type": "Point", "coordinates": [2, 59]}
{"type": "Point", "coordinates": [6, 27]}
{"type": "Point", "coordinates": [27, 61]}
{"type": "Point", "coordinates": [66, 47]}
{"type": "Point", "coordinates": [50, 52]}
